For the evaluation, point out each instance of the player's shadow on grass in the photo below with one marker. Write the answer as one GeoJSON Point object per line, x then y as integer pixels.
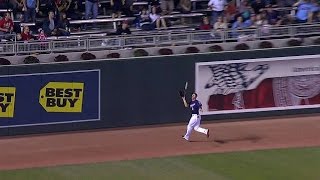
{"type": "Point", "coordinates": [251, 138]}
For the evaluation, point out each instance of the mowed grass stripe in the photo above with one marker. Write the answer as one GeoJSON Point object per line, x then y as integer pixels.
{"type": "Point", "coordinates": [293, 164]}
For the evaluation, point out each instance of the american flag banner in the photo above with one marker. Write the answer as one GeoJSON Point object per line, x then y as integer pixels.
{"type": "Point", "coordinates": [258, 84]}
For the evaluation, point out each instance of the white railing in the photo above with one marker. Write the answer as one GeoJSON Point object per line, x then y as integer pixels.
{"type": "Point", "coordinates": [157, 39]}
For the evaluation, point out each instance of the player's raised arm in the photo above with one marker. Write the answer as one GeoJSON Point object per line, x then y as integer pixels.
{"type": "Point", "coordinates": [184, 101]}
{"type": "Point", "coordinates": [183, 97]}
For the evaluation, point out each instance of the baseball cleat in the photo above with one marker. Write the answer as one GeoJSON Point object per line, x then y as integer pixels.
{"type": "Point", "coordinates": [185, 138]}
{"type": "Point", "coordinates": [208, 134]}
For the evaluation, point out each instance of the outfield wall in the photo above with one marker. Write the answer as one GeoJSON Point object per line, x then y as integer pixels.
{"type": "Point", "coordinates": [118, 93]}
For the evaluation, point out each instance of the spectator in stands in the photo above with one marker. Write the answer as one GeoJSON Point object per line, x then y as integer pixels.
{"type": "Point", "coordinates": [64, 25]}
{"type": "Point", "coordinates": [305, 10]}
{"type": "Point", "coordinates": [6, 26]}
{"type": "Point", "coordinates": [238, 24]}
{"type": "Point", "coordinates": [285, 20]}
{"type": "Point", "coordinates": [91, 6]}
{"type": "Point", "coordinates": [250, 23]}
{"type": "Point", "coordinates": [16, 6]}
{"type": "Point", "coordinates": [18, 37]}
{"type": "Point", "coordinates": [272, 15]}
{"type": "Point", "coordinates": [270, 2]}
{"type": "Point", "coordinates": [123, 29]}
{"type": "Point", "coordinates": [316, 17]}
{"type": "Point", "coordinates": [26, 34]}
{"type": "Point", "coordinates": [217, 7]}
{"type": "Point", "coordinates": [63, 5]}
{"type": "Point", "coordinates": [42, 12]}
{"type": "Point", "coordinates": [156, 20]}
{"type": "Point", "coordinates": [245, 10]}
{"type": "Point", "coordinates": [231, 11]}
{"type": "Point", "coordinates": [5, 4]}
{"type": "Point", "coordinates": [41, 36]}
{"type": "Point", "coordinates": [285, 3]}
{"type": "Point", "coordinates": [205, 25]}
{"type": "Point", "coordinates": [166, 6]}
{"type": "Point", "coordinates": [142, 18]}
{"type": "Point", "coordinates": [49, 5]}
{"type": "Point", "coordinates": [144, 15]}
{"type": "Point", "coordinates": [74, 11]}
{"type": "Point", "coordinates": [258, 6]}
{"type": "Point", "coordinates": [316, 8]}
{"type": "Point", "coordinates": [30, 8]}
{"type": "Point", "coordinates": [220, 24]}
{"type": "Point", "coordinates": [128, 8]}
{"type": "Point", "coordinates": [259, 20]}
{"type": "Point", "coordinates": [117, 7]}
{"type": "Point", "coordinates": [50, 25]}
{"type": "Point", "coordinates": [184, 6]}
{"type": "Point", "coordinates": [154, 3]}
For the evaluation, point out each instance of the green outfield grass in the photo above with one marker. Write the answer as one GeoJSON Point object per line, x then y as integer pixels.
{"type": "Point", "coordinates": [285, 164]}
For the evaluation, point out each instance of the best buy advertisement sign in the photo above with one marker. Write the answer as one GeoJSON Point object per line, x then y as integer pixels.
{"type": "Point", "coordinates": [62, 97]}
{"type": "Point", "coordinates": [7, 100]}
{"type": "Point", "coordinates": [49, 98]}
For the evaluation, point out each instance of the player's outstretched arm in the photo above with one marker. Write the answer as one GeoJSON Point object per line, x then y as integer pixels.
{"type": "Point", "coordinates": [184, 101]}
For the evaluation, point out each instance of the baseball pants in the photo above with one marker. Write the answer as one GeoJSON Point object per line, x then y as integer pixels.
{"type": "Point", "coordinates": [194, 124]}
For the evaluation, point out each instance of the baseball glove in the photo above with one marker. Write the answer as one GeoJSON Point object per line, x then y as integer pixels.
{"type": "Point", "coordinates": [182, 93]}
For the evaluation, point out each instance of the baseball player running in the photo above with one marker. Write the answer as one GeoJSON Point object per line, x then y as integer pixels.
{"type": "Point", "coordinates": [195, 119]}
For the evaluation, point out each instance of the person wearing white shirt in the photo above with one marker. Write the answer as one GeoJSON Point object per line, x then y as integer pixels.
{"type": "Point", "coordinates": [156, 19]}
{"type": "Point", "coordinates": [217, 7]}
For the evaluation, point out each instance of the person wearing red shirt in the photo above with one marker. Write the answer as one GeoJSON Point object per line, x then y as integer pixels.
{"type": "Point", "coordinates": [25, 34]}
{"type": "Point", "coordinates": [205, 25]}
{"type": "Point", "coordinates": [6, 24]}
